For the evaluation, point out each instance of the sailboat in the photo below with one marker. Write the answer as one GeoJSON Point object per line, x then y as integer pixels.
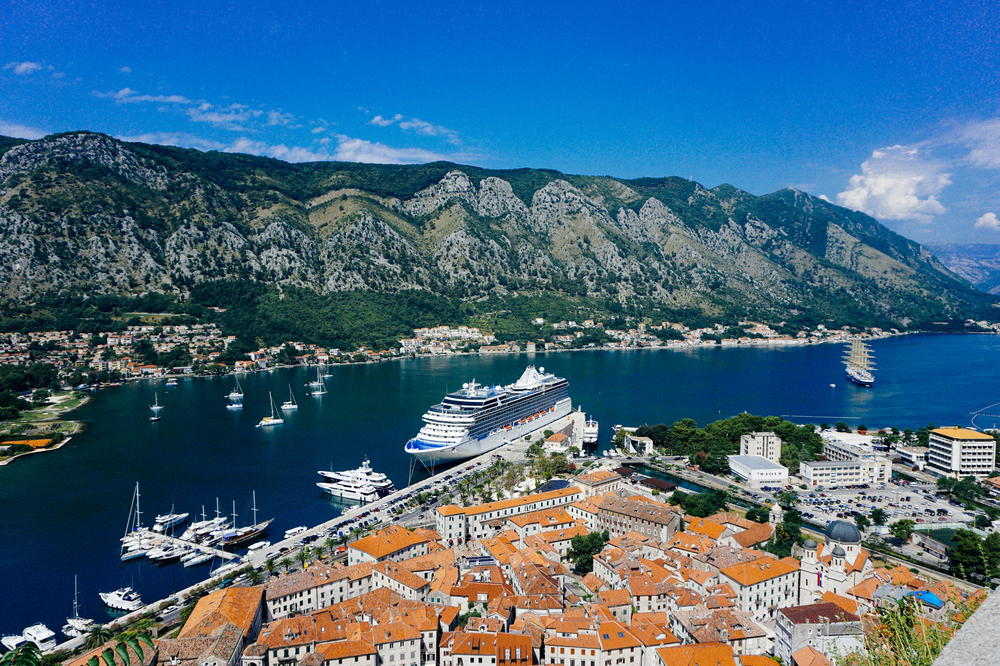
{"type": "Point", "coordinates": [273, 419]}
{"type": "Point", "coordinates": [859, 361]}
{"type": "Point", "coordinates": [77, 626]}
{"type": "Point", "coordinates": [134, 543]}
{"type": "Point", "coordinates": [241, 535]}
{"type": "Point", "coordinates": [326, 371]}
{"type": "Point", "coordinates": [155, 408]}
{"type": "Point", "coordinates": [290, 403]}
{"type": "Point", "coordinates": [318, 382]}
{"type": "Point", "coordinates": [237, 393]}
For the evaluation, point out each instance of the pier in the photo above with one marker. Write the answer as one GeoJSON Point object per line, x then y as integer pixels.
{"type": "Point", "coordinates": [158, 539]}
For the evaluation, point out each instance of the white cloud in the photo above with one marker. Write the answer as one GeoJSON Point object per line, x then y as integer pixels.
{"type": "Point", "coordinates": [897, 183]}
{"type": "Point", "coordinates": [350, 149]}
{"type": "Point", "coordinates": [385, 122]}
{"type": "Point", "coordinates": [180, 139]}
{"type": "Point", "coordinates": [988, 221]}
{"type": "Point", "coordinates": [983, 141]}
{"type": "Point", "coordinates": [417, 126]}
{"type": "Point", "coordinates": [20, 131]}
{"type": "Point", "coordinates": [280, 118]}
{"type": "Point", "coordinates": [125, 69]}
{"type": "Point", "coordinates": [23, 68]}
{"type": "Point", "coordinates": [129, 96]}
{"type": "Point", "coordinates": [279, 151]}
{"type": "Point", "coordinates": [233, 117]}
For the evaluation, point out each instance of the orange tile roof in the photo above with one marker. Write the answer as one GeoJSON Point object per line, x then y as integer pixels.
{"type": "Point", "coordinates": [519, 501]}
{"type": "Point", "coordinates": [961, 433]}
{"type": "Point", "coordinates": [552, 536]}
{"type": "Point", "coordinates": [232, 605]}
{"type": "Point", "coordinates": [615, 597]}
{"type": "Point", "coordinates": [554, 516]}
{"type": "Point", "coordinates": [757, 533]}
{"type": "Point", "coordinates": [866, 588]}
{"type": "Point", "coordinates": [345, 649]}
{"type": "Point", "coordinates": [810, 656]}
{"type": "Point", "coordinates": [757, 660]}
{"type": "Point", "coordinates": [615, 636]}
{"type": "Point", "coordinates": [391, 633]}
{"type": "Point", "coordinates": [701, 654]}
{"type": "Point", "coordinates": [849, 605]}
{"type": "Point", "coordinates": [705, 527]}
{"type": "Point", "coordinates": [387, 541]}
{"type": "Point", "coordinates": [600, 476]}
{"type": "Point", "coordinates": [751, 573]}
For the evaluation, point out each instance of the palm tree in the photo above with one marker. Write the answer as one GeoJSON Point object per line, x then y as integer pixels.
{"type": "Point", "coordinates": [330, 544]}
{"type": "Point", "coordinates": [287, 563]}
{"type": "Point", "coordinates": [270, 566]}
{"type": "Point", "coordinates": [25, 654]}
{"type": "Point", "coordinates": [302, 556]}
{"type": "Point", "coordinates": [97, 636]}
{"type": "Point", "coordinates": [121, 650]}
{"type": "Point", "coordinates": [255, 576]}
{"type": "Point", "coordinates": [319, 551]}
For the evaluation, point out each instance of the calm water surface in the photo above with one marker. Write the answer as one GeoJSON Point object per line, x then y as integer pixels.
{"type": "Point", "coordinates": [62, 513]}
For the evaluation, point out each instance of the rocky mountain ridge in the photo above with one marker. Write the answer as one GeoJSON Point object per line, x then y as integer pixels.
{"type": "Point", "coordinates": [88, 212]}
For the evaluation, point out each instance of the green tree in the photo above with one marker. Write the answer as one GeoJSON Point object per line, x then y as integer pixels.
{"type": "Point", "coordinates": [25, 654]}
{"type": "Point", "coordinates": [861, 520]}
{"type": "Point", "coordinates": [758, 514]}
{"type": "Point", "coordinates": [983, 522]}
{"type": "Point", "coordinates": [97, 636]}
{"type": "Point", "coordinates": [270, 566]}
{"type": "Point", "coordinates": [583, 548]}
{"type": "Point", "coordinates": [902, 529]}
{"type": "Point", "coordinates": [287, 564]}
{"type": "Point", "coordinates": [879, 516]}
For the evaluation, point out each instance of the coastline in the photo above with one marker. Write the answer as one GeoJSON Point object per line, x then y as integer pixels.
{"type": "Point", "coordinates": [51, 414]}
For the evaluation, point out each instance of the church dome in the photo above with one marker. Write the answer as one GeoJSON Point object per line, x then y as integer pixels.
{"type": "Point", "coordinates": [843, 531]}
{"type": "Point", "coordinates": [809, 544]}
{"type": "Point", "coordinates": [838, 552]}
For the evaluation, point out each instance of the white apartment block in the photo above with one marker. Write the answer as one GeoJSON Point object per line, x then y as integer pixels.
{"type": "Point", "coordinates": [960, 452]}
{"type": "Point", "coordinates": [837, 473]}
{"type": "Point", "coordinates": [764, 444]}
{"type": "Point", "coordinates": [458, 524]}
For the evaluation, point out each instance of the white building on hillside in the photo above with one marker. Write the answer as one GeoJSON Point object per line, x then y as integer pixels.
{"type": "Point", "coordinates": [757, 471]}
{"type": "Point", "coordinates": [764, 444]}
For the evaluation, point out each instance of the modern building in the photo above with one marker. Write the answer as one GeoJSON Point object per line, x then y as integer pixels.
{"type": "Point", "coordinates": [764, 444]}
{"type": "Point", "coordinates": [836, 473]}
{"type": "Point", "coordinates": [912, 456]}
{"type": "Point", "coordinates": [757, 471]}
{"type": "Point", "coordinates": [961, 452]}
{"type": "Point", "coordinates": [826, 627]}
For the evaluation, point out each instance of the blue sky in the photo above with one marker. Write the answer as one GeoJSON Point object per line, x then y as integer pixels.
{"type": "Point", "coordinates": [890, 108]}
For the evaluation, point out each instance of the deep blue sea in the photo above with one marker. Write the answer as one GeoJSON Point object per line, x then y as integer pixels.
{"type": "Point", "coordinates": [62, 513]}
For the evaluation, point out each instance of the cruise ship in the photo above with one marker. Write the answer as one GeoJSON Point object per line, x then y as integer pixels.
{"type": "Point", "coordinates": [478, 418]}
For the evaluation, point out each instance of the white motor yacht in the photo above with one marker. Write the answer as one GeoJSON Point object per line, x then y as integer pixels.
{"type": "Point", "coordinates": [365, 475]}
{"type": "Point", "coordinates": [123, 599]}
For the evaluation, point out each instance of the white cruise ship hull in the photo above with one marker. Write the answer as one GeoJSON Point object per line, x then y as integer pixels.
{"type": "Point", "coordinates": [470, 448]}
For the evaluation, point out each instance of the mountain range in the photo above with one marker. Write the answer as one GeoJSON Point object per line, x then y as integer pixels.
{"type": "Point", "coordinates": [85, 212]}
{"type": "Point", "coordinates": [979, 263]}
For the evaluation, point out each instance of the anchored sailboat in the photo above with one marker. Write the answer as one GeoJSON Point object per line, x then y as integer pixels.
{"type": "Point", "coordinates": [77, 626]}
{"type": "Point", "coordinates": [273, 419]}
{"type": "Point", "coordinates": [290, 403]}
{"type": "Point", "coordinates": [237, 392]}
{"type": "Point", "coordinates": [859, 361]}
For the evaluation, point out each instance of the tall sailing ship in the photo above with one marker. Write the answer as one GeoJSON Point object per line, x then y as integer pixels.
{"type": "Point", "coordinates": [478, 418]}
{"type": "Point", "coordinates": [859, 361]}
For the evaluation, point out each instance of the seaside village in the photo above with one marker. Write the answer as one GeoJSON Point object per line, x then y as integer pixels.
{"type": "Point", "coordinates": [502, 584]}
{"type": "Point", "coordinates": [126, 354]}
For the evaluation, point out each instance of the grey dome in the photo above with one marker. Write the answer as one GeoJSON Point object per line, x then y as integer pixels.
{"type": "Point", "coordinates": [843, 531]}
{"type": "Point", "coordinates": [838, 552]}
{"type": "Point", "coordinates": [809, 544]}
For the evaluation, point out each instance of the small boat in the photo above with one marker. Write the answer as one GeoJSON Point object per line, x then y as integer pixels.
{"type": "Point", "coordinates": [165, 521]}
{"type": "Point", "coordinates": [326, 370]}
{"type": "Point", "coordinates": [201, 558]}
{"type": "Point", "coordinates": [77, 626]}
{"type": "Point", "coordinates": [234, 406]}
{"type": "Point", "coordinates": [237, 393]}
{"type": "Point", "coordinates": [123, 599]}
{"type": "Point", "coordinates": [156, 406]}
{"type": "Point", "coordinates": [38, 634]}
{"type": "Point", "coordinates": [260, 545]}
{"type": "Point", "coordinates": [154, 418]}
{"type": "Point", "coordinates": [295, 531]}
{"type": "Point", "coordinates": [318, 382]}
{"type": "Point", "coordinates": [172, 381]}
{"type": "Point", "coordinates": [273, 419]}
{"type": "Point", "coordinates": [321, 390]}
{"type": "Point", "coordinates": [290, 403]}
{"type": "Point", "coordinates": [226, 567]}
{"type": "Point", "coordinates": [591, 431]}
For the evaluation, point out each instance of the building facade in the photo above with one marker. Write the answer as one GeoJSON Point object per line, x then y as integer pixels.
{"type": "Point", "coordinates": [764, 444]}
{"type": "Point", "coordinates": [961, 452]}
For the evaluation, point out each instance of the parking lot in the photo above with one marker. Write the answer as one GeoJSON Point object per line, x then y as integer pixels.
{"type": "Point", "coordinates": [917, 502]}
